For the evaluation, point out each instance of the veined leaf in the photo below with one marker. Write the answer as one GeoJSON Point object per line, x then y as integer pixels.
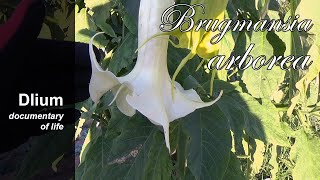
{"type": "Point", "coordinates": [125, 53]}
{"type": "Point", "coordinates": [85, 28]}
{"type": "Point", "coordinates": [131, 14]}
{"type": "Point", "coordinates": [210, 137]}
{"type": "Point", "coordinates": [174, 56]}
{"type": "Point", "coordinates": [227, 43]}
{"type": "Point", "coordinates": [260, 121]}
{"type": "Point", "coordinates": [130, 23]}
{"type": "Point", "coordinates": [262, 83]}
{"type": "Point", "coordinates": [263, 121]}
{"type": "Point", "coordinates": [94, 165]}
{"type": "Point", "coordinates": [132, 148]}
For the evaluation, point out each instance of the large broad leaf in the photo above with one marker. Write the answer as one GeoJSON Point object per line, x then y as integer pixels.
{"type": "Point", "coordinates": [130, 18]}
{"type": "Point", "coordinates": [93, 166]}
{"type": "Point", "coordinates": [306, 152]}
{"type": "Point", "coordinates": [210, 145]}
{"type": "Point", "coordinates": [125, 54]}
{"type": "Point", "coordinates": [174, 57]}
{"type": "Point", "coordinates": [260, 121]}
{"type": "Point", "coordinates": [85, 28]}
{"type": "Point", "coordinates": [139, 153]}
{"type": "Point", "coordinates": [263, 83]}
{"type": "Point", "coordinates": [101, 12]}
{"type": "Point", "coordinates": [106, 28]}
{"type": "Point", "coordinates": [132, 148]}
{"type": "Point", "coordinates": [130, 23]}
{"type": "Point", "coordinates": [227, 43]}
{"type": "Point", "coordinates": [226, 48]}
{"type": "Point", "coordinates": [301, 44]}
{"type": "Point", "coordinates": [235, 116]}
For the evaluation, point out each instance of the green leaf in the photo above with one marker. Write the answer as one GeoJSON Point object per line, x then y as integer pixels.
{"type": "Point", "coordinates": [125, 54]}
{"type": "Point", "coordinates": [306, 153]}
{"type": "Point", "coordinates": [93, 4]}
{"type": "Point", "coordinates": [262, 121]}
{"type": "Point", "coordinates": [239, 108]}
{"type": "Point", "coordinates": [233, 112]}
{"type": "Point", "coordinates": [132, 148]}
{"type": "Point", "coordinates": [259, 120]}
{"type": "Point", "coordinates": [85, 35]}
{"type": "Point", "coordinates": [174, 56]}
{"type": "Point", "coordinates": [228, 42]}
{"type": "Point", "coordinates": [248, 6]}
{"type": "Point", "coordinates": [106, 28]}
{"type": "Point", "coordinates": [181, 153]}
{"type": "Point", "coordinates": [139, 153]}
{"type": "Point", "coordinates": [85, 28]}
{"type": "Point", "coordinates": [300, 44]}
{"type": "Point", "coordinates": [94, 165]}
{"type": "Point", "coordinates": [130, 23]}
{"type": "Point", "coordinates": [210, 145]}
{"type": "Point", "coordinates": [234, 169]}
{"type": "Point", "coordinates": [265, 82]}
{"type": "Point", "coordinates": [101, 10]}
{"type": "Point", "coordinates": [101, 14]}
{"type": "Point", "coordinates": [83, 20]}
{"type": "Point", "coordinates": [132, 9]}
{"type": "Point", "coordinates": [189, 175]}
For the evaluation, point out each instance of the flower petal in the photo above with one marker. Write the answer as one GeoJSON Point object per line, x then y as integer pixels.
{"type": "Point", "coordinates": [101, 81]}
{"type": "Point", "coordinates": [151, 105]}
{"type": "Point", "coordinates": [186, 102]}
{"type": "Point", "coordinates": [121, 101]}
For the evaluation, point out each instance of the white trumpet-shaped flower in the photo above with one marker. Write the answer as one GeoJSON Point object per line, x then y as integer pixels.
{"type": "Point", "coordinates": [147, 88]}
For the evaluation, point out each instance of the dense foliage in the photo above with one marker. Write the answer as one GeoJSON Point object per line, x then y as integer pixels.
{"type": "Point", "coordinates": [267, 123]}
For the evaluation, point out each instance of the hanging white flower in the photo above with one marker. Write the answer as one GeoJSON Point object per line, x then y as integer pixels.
{"type": "Point", "coordinates": [147, 88]}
